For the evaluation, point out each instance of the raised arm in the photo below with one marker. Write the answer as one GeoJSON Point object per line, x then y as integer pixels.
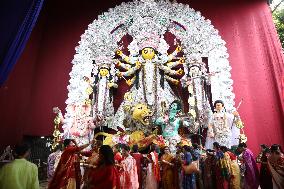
{"type": "Point", "coordinates": [172, 80]}
{"type": "Point", "coordinates": [122, 65]}
{"type": "Point", "coordinates": [82, 146]}
{"type": "Point", "coordinates": [175, 63]}
{"type": "Point", "coordinates": [131, 81]}
{"type": "Point", "coordinates": [173, 55]}
{"type": "Point", "coordinates": [169, 71]}
{"type": "Point", "coordinates": [131, 71]}
{"type": "Point", "coordinates": [123, 56]}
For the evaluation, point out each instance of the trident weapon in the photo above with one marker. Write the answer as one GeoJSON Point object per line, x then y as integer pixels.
{"type": "Point", "coordinates": [240, 103]}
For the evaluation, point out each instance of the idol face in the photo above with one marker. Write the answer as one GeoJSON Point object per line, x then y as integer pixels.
{"type": "Point", "coordinates": [104, 72]}
{"type": "Point", "coordinates": [219, 106]}
{"type": "Point", "coordinates": [148, 53]}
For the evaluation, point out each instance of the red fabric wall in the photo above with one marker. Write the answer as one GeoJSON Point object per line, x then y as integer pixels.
{"type": "Point", "coordinates": [39, 80]}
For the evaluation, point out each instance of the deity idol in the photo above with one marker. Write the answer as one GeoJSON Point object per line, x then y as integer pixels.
{"type": "Point", "coordinates": [197, 81]}
{"type": "Point", "coordinates": [170, 124]}
{"type": "Point", "coordinates": [149, 70]}
{"type": "Point", "coordinates": [104, 82]}
{"type": "Point", "coordinates": [223, 127]}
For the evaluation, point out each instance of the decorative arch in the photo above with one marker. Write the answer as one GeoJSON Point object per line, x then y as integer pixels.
{"type": "Point", "coordinates": [142, 20]}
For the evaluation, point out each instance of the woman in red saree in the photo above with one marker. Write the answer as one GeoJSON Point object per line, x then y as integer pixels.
{"type": "Point", "coordinates": [138, 158]}
{"type": "Point", "coordinates": [117, 155]}
{"type": "Point", "coordinates": [153, 169]}
{"type": "Point", "coordinates": [265, 179]}
{"type": "Point", "coordinates": [105, 175]}
{"type": "Point", "coordinates": [276, 166]}
{"type": "Point", "coordinates": [65, 174]}
{"type": "Point", "coordinates": [93, 158]}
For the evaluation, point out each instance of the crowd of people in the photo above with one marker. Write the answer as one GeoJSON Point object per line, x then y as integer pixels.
{"type": "Point", "coordinates": [192, 167]}
{"type": "Point", "coordinates": [122, 167]}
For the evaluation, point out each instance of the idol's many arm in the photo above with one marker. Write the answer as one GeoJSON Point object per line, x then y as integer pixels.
{"type": "Point", "coordinates": [172, 80]}
{"type": "Point", "coordinates": [175, 63]}
{"type": "Point", "coordinates": [131, 71]}
{"type": "Point", "coordinates": [123, 56]}
{"type": "Point", "coordinates": [112, 84]}
{"type": "Point", "coordinates": [173, 55]}
{"type": "Point", "coordinates": [131, 81]}
{"type": "Point", "coordinates": [169, 71]}
{"type": "Point", "coordinates": [124, 66]}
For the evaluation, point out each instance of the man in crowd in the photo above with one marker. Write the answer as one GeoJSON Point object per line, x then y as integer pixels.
{"type": "Point", "coordinates": [20, 173]}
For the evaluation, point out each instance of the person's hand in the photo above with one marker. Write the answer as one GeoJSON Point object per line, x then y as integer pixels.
{"type": "Point", "coordinates": [235, 113]}
{"type": "Point", "coordinates": [138, 64]}
{"type": "Point", "coordinates": [178, 49]}
{"type": "Point", "coordinates": [110, 85]}
{"type": "Point", "coordinates": [119, 74]}
{"type": "Point", "coordinates": [119, 52]}
{"type": "Point", "coordinates": [56, 110]}
{"type": "Point", "coordinates": [211, 135]}
{"type": "Point", "coordinates": [74, 141]}
{"type": "Point", "coordinates": [93, 142]}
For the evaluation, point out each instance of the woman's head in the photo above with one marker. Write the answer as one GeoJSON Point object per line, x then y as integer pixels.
{"type": "Point", "coordinates": [264, 148]}
{"type": "Point", "coordinates": [148, 53]}
{"type": "Point", "coordinates": [275, 148]}
{"type": "Point", "coordinates": [242, 147]}
{"type": "Point", "coordinates": [187, 148]}
{"type": "Point", "coordinates": [97, 145]}
{"type": "Point", "coordinates": [135, 148]}
{"type": "Point", "coordinates": [167, 150]}
{"type": "Point", "coordinates": [153, 147]}
{"type": "Point", "coordinates": [116, 148]}
{"type": "Point", "coordinates": [104, 71]}
{"type": "Point", "coordinates": [209, 152]}
{"type": "Point", "coordinates": [106, 155]}
{"type": "Point", "coordinates": [216, 146]}
{"type": "Point", "coordinates": [125, 150]}
{"type": "Point", "coordinates": [224, 149]}
{"type": "Point", "coordinates": [67, 142]}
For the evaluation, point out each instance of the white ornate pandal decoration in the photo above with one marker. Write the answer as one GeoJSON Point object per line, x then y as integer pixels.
{"type": "Point", "coordinates": [146, 21]}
